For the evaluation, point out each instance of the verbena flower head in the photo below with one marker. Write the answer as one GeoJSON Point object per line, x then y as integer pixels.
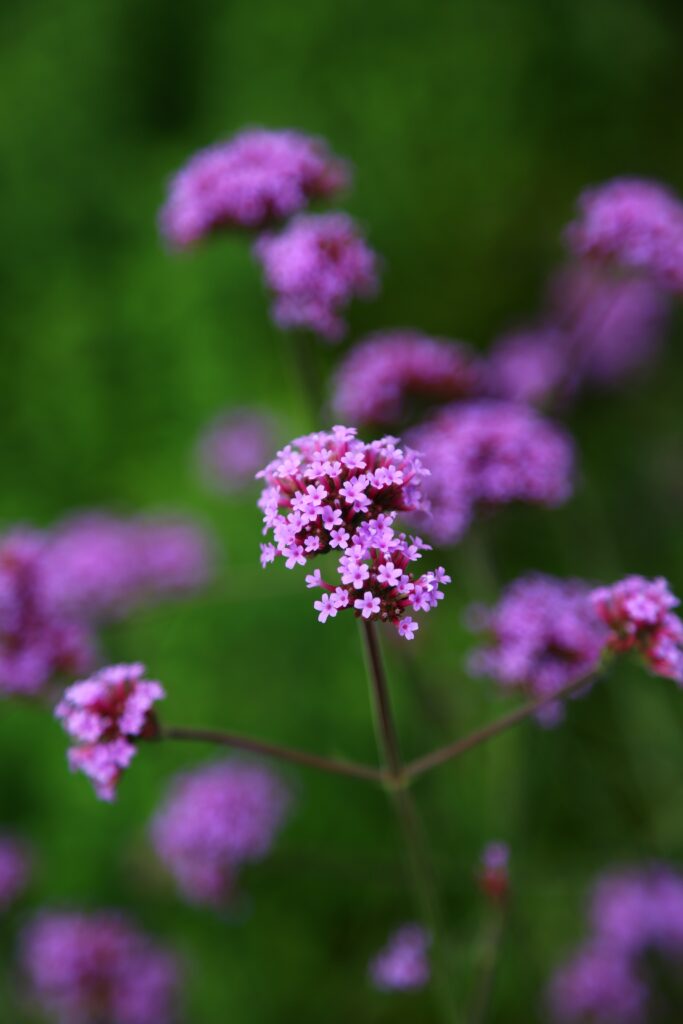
{"type": "Point", "coordinates": [314, 267]}
{"type": "Point", "coordinates": [38, 641]}
{"type": "Point", "coordinates": [331, 492]}
{"type": "Point", "coordinates": [543, 635]}
{"type": "Point", "coordinates": [15, 869]}
{"type": "Point", "coordinates": [634, 224]}
{"type": "Point", "coordinates": [105, 715]}
{"type": "Point", "coordinates": [532, 366]}
{"type": "Point", "coordinates": [100, 566]}
{"type": "Point", "coordinates": [403, 964]}
{"type": "Point", "coordinates": [252, 180]}
{"type": "Point", "coordinates": [494, 874]}
{"type": "Point", "coordinates": [638, 613]}
{"type": "Point", "coordinates": [385, 375]}
{"type": "Point", "coordinates": [235, 446]}
{"type": "Point", "coordinates": [634, 913]}
{"type": "Point", "coordinates": [216, 819]}
{"type": "Point", "coordinates": [487, 453]}
{"type": "Point", "coordinates": [97, 968]}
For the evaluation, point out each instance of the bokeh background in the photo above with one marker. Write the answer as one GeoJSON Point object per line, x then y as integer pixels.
{"type": "Point", "coordinates": [472, 126]}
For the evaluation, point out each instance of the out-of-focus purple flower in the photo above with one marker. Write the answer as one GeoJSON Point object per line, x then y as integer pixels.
{"type": "Point", "coordinates": [487, 453]}
{"type": "Point", "coordinates": [37, 639]}
{"type": "Point", "coordinates": [384, 374]}
{"type": "Point", "coordinates": [544, 634]}
{"type": "Point", "coordinates": [15, 869]}
{"type": "Point", "coordinates": [494, 871]}
{"type": "Point", "coordinates": [403, 964]}
{"type": "Point", "coordinates": [216, 819]}
{"type": "Point", "coordinates": [329, 491]}
{"type": "Point", "coordinates": [634, 224]}
{"type": "Point", "coordinates": [97, 969]}
{"type": "Point", "coordinates": [235, 446]}
{"type": "Point", "coordinates": [99, 566]}
{"type": "Point", "coordinates": [252, 180]}
{"type": "Point", "coordinates": [638, 613]}
{"type": "Point", "coordinates": [531, 365]}
{"type": "Point", "coordinates": [633, 912]}
{"type": "Point", "coordinates": [314, 267]}
{"type": "Point", "coordinates": [105, 715]}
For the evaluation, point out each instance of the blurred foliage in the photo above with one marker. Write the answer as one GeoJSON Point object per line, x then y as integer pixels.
{"type": "Point", "coordinates": [473, 126]}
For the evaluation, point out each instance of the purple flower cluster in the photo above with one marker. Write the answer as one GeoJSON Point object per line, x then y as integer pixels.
{"type": "Point", "coordinates": [104, 715]}
{"type": "Point", "coordinates": [494, 871]}
{"type": "Point", "coordinates": [15, 869]}
{"type": "Point", "coordinates": [634, 224]}
{"type": "Point", "coordinates": [99, 565]}
{"type": "Point", "coordinates": [235, 446]}
{"type": "Point", "coordinates": [529, 365]}
{"type": "Point", "coordinates": [249, 181]}
{"type": "Point", "coordinates": [488, 453]}
{"type": "Point", "coordinates": [314, 267]}
{"type": "Point", "coordinates": [38, 640]}
{"type": "Point", "coordinates": [633, 913]}
{"type": "Point", "coordinates": [403, 964]}
{"type": "Point", "coordinates": [97, 969]}
{"type": "Point", "coordinates": [382, 375]}
{"type": "Point", "coordinates": [331, 492]}
{"type": "Point", "coordinates": [216, 819]}
{"type": "Point", "coordinates": [638, 613]}
{"type": "Point", "coordinates": [544, 634]}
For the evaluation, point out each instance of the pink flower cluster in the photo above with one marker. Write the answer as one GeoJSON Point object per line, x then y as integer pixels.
{"type": "Point", "coordinates": [97, 969]}
{"type": "Point", "coordinates": [383, 375]}
{"type": "Point", "coordinates": [250, 181]}
{"type": "Point", "coordinates": [314, 267]}
{"type": "Point", "coordinates": [99, 565]}
{"type": "Point", "coordinates": [331, 492]}
{"type": "Point", "coordinates": [494, 872]}
{"type": "Point", "coordinates": [15, 869]}
{"type": "Point", "coordinates": [636, 225]}
{"type": "Point", "coordinates": [633, 913]}
{"type": "Point", "coordinates": [216, 819]}
{"type": "Point", "coordinates": [105, 715]}
{"type": "Point", "coordinates": [38, 640]}
{"type": "Point", "coordinates": [544, 634]}
{"type": "Point", "coordinates": [403, 964]}
{"type": "Point", "coordinates": [531, 365]}
{"type": "Point", "coordinates": [485, 454]}
{"type": "Point", "coordinates": [235, 446]}
{"type": "Point", "coordinates": [638, 613]}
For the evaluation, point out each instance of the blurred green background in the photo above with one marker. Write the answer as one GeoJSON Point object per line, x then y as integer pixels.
{"type": "Point", "coordinates": [472, 126]}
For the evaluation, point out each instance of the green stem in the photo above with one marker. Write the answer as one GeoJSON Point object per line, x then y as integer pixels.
{"type": "Point", "coordinates": [489, 962]}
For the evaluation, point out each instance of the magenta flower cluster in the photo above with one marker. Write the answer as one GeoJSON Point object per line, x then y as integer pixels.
{"type": "Point", "coordinates": [249, 181]}
{"type": "Point", "coordinates": [15, 869]}
{"type": "Point", "coordinates": [384, 376]}
{"type": "Point", "coordinates": [213, 821]}
{"type": "Point", "coordinates": [104, 715]}
{"type": "Point", "coordinates": [638, 613]}
{"type": "Point", "coordinates": [486, 453]}
{"type": "Point", "coordinates": [543, 634]}
{"type": "Point", "coordinates": [331, 492]}
{"type": "Point", "coordinates": [635, 225]}
{"type": "Point", "coordinates": [38, 639]}
{"type": "Point", "coordinates": [403, 964]}
{"type": "Point", "coordinates": [97, 969]}
{"type": "Point", "coordinates": [633, 913]}
{"type": "Point", "coordinates": [235, 446]}
{"type": "Point", "coordinates": [314, 267]}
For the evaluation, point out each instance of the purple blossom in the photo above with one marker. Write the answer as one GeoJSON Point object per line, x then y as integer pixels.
{"type": "Point", "coordinates": [105, 715]}
{"type": "Point", "coordinates": [351, 510]}
{"type": "Point", "coordinates": [532, 366]}
{"type": "Point", "coordinates": [633, 224]}
{"type": "Point", "coordinates": [38, 640]}
{"type": "Point", "coordinates": [216, 819]}
{"type": "Point", "coordinates": [543, 635]}
{"type": "Point", "coordinates": [638, 613]}
{"type": "Point", "coordinates": [15, 869]}
{"type": "Point", "coordinates": [252, 180]}
{"type": "Point", "coordinates": [598, 986]}
{"type": "Point", "coordinates": [494, 877]}
{"type": "Point", "coordinates": [314, 267]}
{"type": "Point", "coordinates": [235, 446]}
{"type": "Point", "coordinates": [383, 375]}
{"type": "Point", "coordinates": [403, 964]}
{"type": "Point", "coordinates": [97, 968]}
{"type": "Point", "coordinates": [488, 453]}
